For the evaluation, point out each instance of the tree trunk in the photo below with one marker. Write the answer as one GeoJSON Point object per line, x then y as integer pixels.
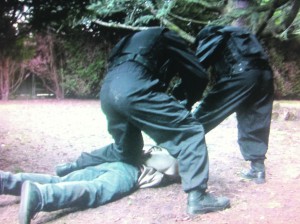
{"type": "Point", "coordinates": [55, 78]}
{"type": "Point", "coordinates": [4, 79]}
{"type": "Point", "coordinates": [44, 65]}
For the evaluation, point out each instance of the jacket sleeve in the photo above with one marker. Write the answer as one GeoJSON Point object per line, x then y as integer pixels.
{"type": "Point", "coordinates": [194, 77]}
{"type": "Point", "coordinates": [158, 168]}
{"type": "Point", "coordinates": [208, 48]}
{"type": "Point", "coordinates": [149, 177]}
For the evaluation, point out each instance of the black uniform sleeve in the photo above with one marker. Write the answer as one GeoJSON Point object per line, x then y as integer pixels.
{"type": "Point", "coordinates": [193, 75]}
{"type": "Point", "coordinates": [208, 48]}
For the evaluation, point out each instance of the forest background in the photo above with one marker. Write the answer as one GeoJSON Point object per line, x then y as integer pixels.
{"type": "Point", "coordinates": [59, 48]}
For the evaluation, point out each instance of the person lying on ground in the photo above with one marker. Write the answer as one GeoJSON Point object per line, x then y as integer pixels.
{"type": "Point", "coordinates": [89, 187]}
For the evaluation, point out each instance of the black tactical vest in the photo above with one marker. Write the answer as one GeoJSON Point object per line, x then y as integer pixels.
{"type": "Point", "coordinates": [142, 47]}
{"type": "Point", "coordinates": [241, 52]}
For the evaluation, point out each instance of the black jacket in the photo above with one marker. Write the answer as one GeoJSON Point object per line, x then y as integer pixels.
{"type": "Point", "coordinates": [229, 49]}
{"type": "Point", "coordinates": [165, 55]}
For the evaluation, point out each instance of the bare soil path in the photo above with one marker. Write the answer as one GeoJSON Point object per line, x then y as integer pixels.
{"type": "Point", "coordinates": [36, 135]}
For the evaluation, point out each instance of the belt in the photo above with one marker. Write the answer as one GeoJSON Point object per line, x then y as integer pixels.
{"type": "Point", "coordinates": [136, 58]}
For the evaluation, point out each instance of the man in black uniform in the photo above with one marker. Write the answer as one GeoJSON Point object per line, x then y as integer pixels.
{"type": "Point", "coordinates": [243, 84]}
{"type": "Point", "coordinates": [133, 99]}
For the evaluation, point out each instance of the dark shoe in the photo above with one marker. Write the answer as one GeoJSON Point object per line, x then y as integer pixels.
{"type": "Point", "coordinates": [258, 177]}
{"type": "Point", "coordinates": [201, 202]}
{"type": "Point", "coordinates": [256, 172]}
{"type": "Point", "coordinates": [30, 202]}
{"type": "Point", "coordinates": [65, 168]}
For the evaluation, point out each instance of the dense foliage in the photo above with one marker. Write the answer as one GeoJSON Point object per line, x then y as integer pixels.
{"type": "Point", "coordinates": [82, 75]}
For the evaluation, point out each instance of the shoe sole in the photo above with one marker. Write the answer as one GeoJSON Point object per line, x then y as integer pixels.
{"type": "Point", "coordinates": [194, 211]}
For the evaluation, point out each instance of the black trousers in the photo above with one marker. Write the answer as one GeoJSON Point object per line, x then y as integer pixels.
{"type": "Point", "coordinates": [250, 95]}
{"type": "Point", "coordinates": [132, 103]}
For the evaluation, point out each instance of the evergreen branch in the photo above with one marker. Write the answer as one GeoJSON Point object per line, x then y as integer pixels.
{"type": "Point", "coordinates": [187, 19]}
{"type": "Point", "coordinates": [171, 25]}
{"type": "Point", "coordinates": [166, 22]}
{"type": "Point", "coordinates": [177, 29]}
{"type": "Point", "coordinates": [212, 7]}
{"type": "Point", "coordinates": [119, 25]}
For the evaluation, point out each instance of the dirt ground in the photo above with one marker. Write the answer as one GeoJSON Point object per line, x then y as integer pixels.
{"type": "Point", "coordinates": [36, 135]}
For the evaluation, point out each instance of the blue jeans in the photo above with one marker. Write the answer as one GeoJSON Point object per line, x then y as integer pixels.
{"type": "Point", "coordinates": [86, 188]}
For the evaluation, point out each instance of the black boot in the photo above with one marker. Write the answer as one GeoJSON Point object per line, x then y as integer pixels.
{"type": "Point", "coordinates": [65, 168]}
{"type": "Point", "coordinates": [31, 202]}
{"type": "Point", "coordinates": [256, 173]}
{"type": "Point", "coordinates": [200, 202]}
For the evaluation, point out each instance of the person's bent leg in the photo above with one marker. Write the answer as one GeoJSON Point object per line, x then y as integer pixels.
{"type": "Point", "coordinates": [96, 186]}
{"type": "Point", "coordinates": [223, 99]}
{"type": "Point", "coordinates": [115, 98]}
{"type": "Point", "coordinates": [171, 126]}
{"type": "Point", "coordinates": [86, 159]}
{"type": "Point", "coordinates": [110, 153]}
{"type": "Point", "coordinates": [188, 146]}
